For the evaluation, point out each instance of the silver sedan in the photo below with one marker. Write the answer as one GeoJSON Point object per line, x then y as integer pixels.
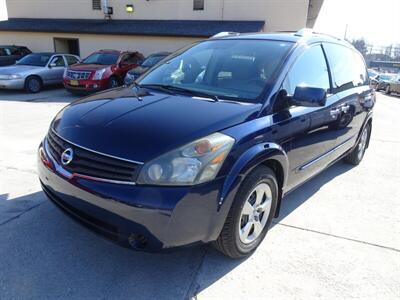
{"type": "Point", "coordinates": [35, 71]}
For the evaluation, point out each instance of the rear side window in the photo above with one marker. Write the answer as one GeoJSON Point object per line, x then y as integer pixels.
{"type": "Point", "coordinates": [309, 70]}
{"type": "Point", "coordinates": [5, 52]}
{"type": "Point", "coordinates": [71, 60]}
{"type": "Point", "coordinates": [347, 66]}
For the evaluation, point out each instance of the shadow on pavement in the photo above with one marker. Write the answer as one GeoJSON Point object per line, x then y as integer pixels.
{"type": "Point", "coordinates": [45, 254]}
{"type": "Point", "coordinates": [55, 93]}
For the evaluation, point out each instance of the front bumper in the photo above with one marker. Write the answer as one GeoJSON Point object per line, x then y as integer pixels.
{"type": "Point", "coordinates": [86, 86]}
{"type": "Point", "coordinates": [12, 84]}
{"type": "Point", "coordinates": [143, 217]}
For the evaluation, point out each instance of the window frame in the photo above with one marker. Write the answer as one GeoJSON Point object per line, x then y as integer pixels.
{"type": "Point", "coordinates": [96, 6]}
{"type": "Point", "coordinates": [198, 5]}
{"type": "Point", "coordinates": [292, 59]}
{"type": "Point", "coordinates": [353, 52]}
{"type": "Point", "coordinates": [299, 56]}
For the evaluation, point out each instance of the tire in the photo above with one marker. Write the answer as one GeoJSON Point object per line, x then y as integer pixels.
{"type": "Point", "coordinates": [232, 240]}
{"type": "Point", "coordinates": [387, 90]}
{"type": "Point", "coordinates": [357, 154]}
{"type": "Point", "coordinates": [33, 84]}
{"type": "Point", "coordinates": [113, 82]}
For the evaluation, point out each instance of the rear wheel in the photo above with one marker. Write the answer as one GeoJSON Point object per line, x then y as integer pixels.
{"type": "Point", "coordinates": [251, 214]}
{"type": "Point", "coordinates": [33, 84]}
{"type": "Point", "coordinates": [355, 156]}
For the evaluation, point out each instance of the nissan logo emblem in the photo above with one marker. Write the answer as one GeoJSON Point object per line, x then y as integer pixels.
{"type": "Point", "coordinates": [67, 156]}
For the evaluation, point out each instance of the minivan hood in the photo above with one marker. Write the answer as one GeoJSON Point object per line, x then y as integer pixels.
{"type": "Point", "coordinates": [118, 123]}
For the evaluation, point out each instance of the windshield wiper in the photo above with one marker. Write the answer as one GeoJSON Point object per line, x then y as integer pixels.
{"type": "Point", "coordinates": [171, 88]}
{"type": "Point", "coordinates": [159, 87]}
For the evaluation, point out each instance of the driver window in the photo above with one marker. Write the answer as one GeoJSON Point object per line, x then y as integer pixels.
{"type": "Point", "coordinates": [58, 61]}
{"type": "Point", "coordinates": [131, 58]}
{"type": "Point", "coordinates": [309, 70]}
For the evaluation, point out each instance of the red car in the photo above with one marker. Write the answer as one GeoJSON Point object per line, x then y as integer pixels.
{"type": "Point", "coordinates": [101, 70]}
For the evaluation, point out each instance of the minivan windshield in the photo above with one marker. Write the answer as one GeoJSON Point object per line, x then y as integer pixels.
{"type": "Point", "coordinates": [39, 60]}
{"type": "Point", "coordinates": [102, 59]}
{"type": "Point", "coordinates": [234, 69]}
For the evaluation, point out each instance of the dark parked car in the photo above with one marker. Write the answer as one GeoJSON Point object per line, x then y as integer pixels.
{"type": "Point", "coordinates": [10, 54]}
{"type": "Point", "coordinates": [381, 81]}
{"type": "Point", "coordinates": [393, 85]}
{"type": "Point", "coordinates": [101, 70]}
{"type": "Point", "coordinates": [204, 146]}
{"type": "Point", "coordinates": [149, 62]}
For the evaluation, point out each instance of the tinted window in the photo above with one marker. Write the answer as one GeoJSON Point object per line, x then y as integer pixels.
{"type": "Point", "coordinates": [39, 60]}
{"type": "Point", "coordinates": [16, 51]}
{"type": "Point", "coordinates": [233, 69]}
{"type": "Point", "coordinates": [132, 58]}
{"type": "Point", "coordinates": [309, 70]}
{"type": "Point", "coordinates": [71, 60]}
{"type": "Point", "coordinates": [347, 66]}
{"type": "Point", "coordinates": [2, 52]}
{"type": "Point", "coordinates": [102, 59]}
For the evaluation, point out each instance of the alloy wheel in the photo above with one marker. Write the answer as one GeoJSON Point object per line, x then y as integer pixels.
{"type": "Point", "coordinates": [113, 83]}
{"type": "Point", "coordinates": [255, 213]}
{"type": "Point", "coordinates": [34, 85]}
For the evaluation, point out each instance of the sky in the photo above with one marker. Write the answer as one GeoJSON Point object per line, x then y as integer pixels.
{"type": "Point", "coordinates": [378, 21]}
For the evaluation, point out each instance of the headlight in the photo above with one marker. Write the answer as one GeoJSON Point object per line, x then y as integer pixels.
{"type": "Point", "coordinates": [194, 163]}
{"type": "Point", "coordinates": [14, 76]}
{"type": "Point", "coordinates": [99, 74]}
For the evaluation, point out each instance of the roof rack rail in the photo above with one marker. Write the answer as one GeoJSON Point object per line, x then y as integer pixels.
{"type": "Point", "coordinates": [304, 32]}
{"type": "Point", "coordinates": [224, 33]}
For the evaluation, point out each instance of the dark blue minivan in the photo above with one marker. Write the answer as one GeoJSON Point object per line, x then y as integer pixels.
{"type": "Point", "coordinates": [204, 146]}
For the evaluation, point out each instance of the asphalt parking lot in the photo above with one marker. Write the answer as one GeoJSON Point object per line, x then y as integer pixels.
{"type": "Point", "coordinates": [338, 236]}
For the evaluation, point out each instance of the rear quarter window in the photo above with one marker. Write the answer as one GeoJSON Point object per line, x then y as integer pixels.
{"type": "Point", "coordinates": [347, 67]}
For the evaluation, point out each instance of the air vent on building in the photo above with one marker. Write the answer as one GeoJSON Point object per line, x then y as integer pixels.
{"type": "Point", "coordinates": [198, 4]}
{"type": "Point", "coordinates": [96, 4]}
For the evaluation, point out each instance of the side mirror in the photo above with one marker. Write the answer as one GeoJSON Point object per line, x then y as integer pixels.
{"type": "Point", "coordinates": [309, 96]}
{"type": "Point", "coordinates": [52, 65]}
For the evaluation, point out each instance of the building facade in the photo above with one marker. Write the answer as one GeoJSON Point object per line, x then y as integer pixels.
{"type": "Point", "coordinates": [83, 26]}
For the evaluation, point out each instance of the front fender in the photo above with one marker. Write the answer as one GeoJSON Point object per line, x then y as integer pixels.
{"type": "Point", "coordinates": [250, 159]}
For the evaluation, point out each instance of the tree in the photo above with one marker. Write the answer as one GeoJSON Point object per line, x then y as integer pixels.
{"type": "Point", "coordinates": [388, 50]}
{"type": "Point", "coordinates": [360, 45]}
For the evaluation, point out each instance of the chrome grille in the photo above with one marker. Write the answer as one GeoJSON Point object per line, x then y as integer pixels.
{"type": "Point", "coordinates": [78, 75]}
{"type": "Point", "coordinates": [90, 163]}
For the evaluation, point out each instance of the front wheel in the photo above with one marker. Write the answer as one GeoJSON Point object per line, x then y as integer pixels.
{"type": "Point", "coordinates": [251, 214]}
{"type": "Point", "coordinates": [33, 84]}
{"type": "Point", "coordinates": [355, 156]}
{"type": "Point", "coordinates": [113, 82]}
